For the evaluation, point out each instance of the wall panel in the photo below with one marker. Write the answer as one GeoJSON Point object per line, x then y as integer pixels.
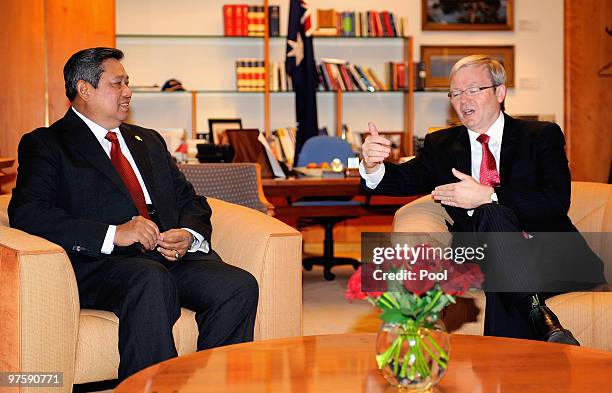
{"type": "Point", "coordinates": [36, 38]}
{"type": "Point", "coordinates": [588, 96]}
{"type": "Point", "coordinates": [73, 25]}
{"type": "Point", "coordinates": [22, 43]}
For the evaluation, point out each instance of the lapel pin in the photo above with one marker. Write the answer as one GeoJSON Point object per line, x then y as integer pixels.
{"type": "Point", "coordinates": [138, 137]}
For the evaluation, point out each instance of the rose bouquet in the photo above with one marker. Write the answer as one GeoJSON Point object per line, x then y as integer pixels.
{"type": "Point", "coordinates": [412, 344]}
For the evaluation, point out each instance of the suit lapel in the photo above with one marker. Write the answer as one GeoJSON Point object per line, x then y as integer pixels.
{"type": "Point", "coordinates": [140, 153]}
{"type": "Point", "coordinates": [463, 152]}
{"type": "Point", "coordinates": [83, 142]}
{"type": "Point", "coordinates": [508, 147]}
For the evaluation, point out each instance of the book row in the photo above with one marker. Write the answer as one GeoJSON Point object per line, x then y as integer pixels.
{"type": "Point", "coordinates": [241, 20]}
{"type": "Point", "coordinates": [340, 75]}
{"type": "Point", "coordinates": [333, 74]}
{"type": "Point", "coordinates": [359, 24]}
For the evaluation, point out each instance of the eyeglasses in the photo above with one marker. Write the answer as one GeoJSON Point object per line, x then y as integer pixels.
{"type": "Point", "coordinates": [470, 92]}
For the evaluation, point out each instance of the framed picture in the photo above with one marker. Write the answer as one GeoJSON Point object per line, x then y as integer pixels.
{"type": "Point", "coordinates": [440, 59]}
{"type": "Point", "coordinates": [397, 143]}
{"type": "Point", "coordinates": [217, 128]}
{"type": "Point", "coordinates": [467, 15]}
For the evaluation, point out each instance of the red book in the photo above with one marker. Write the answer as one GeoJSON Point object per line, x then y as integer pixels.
{"type": "Point", "coordinates": [238, 19]}
{"type": "Point", "coordinates": [229, 26]}
{"type": "Point", "coordinates": [334, 83]}
{"type": "Point", "coordinates": [346, 78]}
{"type": "Point", "coordinates": [374, 24]}
{"type": "Point", "coordinates": [241, 19]}
{"type": "Point", "coordinates": [387, 20]}
{"type": "Point", "coordinates": [401, 76]}
{"type": "Point", "coordinates": [378, 24]}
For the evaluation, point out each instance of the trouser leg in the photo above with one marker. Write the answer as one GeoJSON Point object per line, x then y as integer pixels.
{"type": "Point", "coordinates": [223, 296]}
{"type": "Point", "coordinates": [506, 265]}
{"type": "Point", "coordinates": [143, 295]}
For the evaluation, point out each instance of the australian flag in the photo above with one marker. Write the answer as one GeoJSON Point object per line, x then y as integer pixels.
{"type": "Point", "coordinates": [300, 64]}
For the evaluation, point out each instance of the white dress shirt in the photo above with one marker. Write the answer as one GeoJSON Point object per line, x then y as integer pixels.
{"type": "Point", "coordinates": [495, 133]}
{"type": "Point", "coordinates": [199, 243]}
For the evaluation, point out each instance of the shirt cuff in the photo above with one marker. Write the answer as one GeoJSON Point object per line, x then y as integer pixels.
{"type": "Point", "coordinates": [372, 179]}
{"type": "Point", "coordinates": [199, 243]}
{"type": "Point", "coordinates": [108, 245]}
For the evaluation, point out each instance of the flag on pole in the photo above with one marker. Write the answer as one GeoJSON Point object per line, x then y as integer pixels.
{"type": "Point", "coordinates": [301, 66]}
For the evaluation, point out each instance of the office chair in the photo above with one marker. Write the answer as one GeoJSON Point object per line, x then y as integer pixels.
{"type": "Point", "coordinates": [325, 149]}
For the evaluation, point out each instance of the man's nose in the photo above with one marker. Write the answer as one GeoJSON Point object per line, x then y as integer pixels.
{"type": "Point", "coordinates": [127, 92]}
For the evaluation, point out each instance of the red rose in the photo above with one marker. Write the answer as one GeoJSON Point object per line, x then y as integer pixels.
{"type": "Point", "coordinates": [461, 278]}
{"type": "Point", "coordinates": [419, 285]}
{"type": "Point", "coordinates": [353, 288]}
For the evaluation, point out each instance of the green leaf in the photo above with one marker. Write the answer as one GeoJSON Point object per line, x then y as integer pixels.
{"type": "Point", "coordinates": [409, 312]}
{"type": "Point", "coordinates": [393, 316]}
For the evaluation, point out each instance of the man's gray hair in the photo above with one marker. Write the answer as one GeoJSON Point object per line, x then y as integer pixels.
{"type": "Point", "coordinates": [86, 65]}
{"type": "Point", "coordinates": [496, 70]}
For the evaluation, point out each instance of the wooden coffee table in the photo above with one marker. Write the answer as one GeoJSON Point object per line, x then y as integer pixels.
{"type": "Point", "coordinates": [345, 363]}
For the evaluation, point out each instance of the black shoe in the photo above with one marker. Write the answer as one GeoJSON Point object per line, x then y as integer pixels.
{"type": "Point", "coordinates": [546, 325]}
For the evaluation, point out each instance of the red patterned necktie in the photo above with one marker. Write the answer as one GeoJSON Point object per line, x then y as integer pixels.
{"type": "Point", "coordinates": [488, 170]}
{"type": "Point", "coordinates": [123, 167]}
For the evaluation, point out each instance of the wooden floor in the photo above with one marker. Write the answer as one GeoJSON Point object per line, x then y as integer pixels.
{"type": "Point", "coordinates": [325, 310]}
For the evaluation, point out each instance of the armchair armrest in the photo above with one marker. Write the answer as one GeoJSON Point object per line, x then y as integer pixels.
{"type": "Point", "coordinates": [272, 252]}
{"type": "Point", "coordinates": [39, 304]}
{"type": "Point", "coordinates": [424, 216]}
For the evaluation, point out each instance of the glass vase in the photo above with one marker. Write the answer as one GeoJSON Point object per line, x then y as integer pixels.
{"type": "Point", "coordinates": [413, 356]}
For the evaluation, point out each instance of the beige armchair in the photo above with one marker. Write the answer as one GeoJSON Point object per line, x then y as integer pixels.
{"type": "Point", "coordinates": [42, 327]}
{"type": "Point", "coordinates": [587, 314]}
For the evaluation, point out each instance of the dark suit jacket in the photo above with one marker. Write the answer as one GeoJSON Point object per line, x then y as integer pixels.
{"type": "Point", "coordinates": [69, 192]}
{"type": "Point", "coordinates": [534, 173]}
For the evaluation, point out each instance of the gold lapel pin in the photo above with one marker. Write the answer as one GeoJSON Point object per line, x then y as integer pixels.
{"type": "Point", "coordinates": [138, 137]}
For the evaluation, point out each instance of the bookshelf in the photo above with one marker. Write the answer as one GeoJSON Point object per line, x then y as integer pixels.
{"type": "Point", "coordinates": [269, 109]}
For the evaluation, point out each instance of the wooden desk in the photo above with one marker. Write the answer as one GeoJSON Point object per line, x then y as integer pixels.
{"type": "Point", "coordinates": [311, 186]}
{"type": "Point", "coordinates": [282, 192]}
{"type": "Point", "coordinates": [345, 363]}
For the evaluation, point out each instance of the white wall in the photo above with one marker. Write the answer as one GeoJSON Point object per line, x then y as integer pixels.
{"type": "Point", "coordinates": [208, 64]}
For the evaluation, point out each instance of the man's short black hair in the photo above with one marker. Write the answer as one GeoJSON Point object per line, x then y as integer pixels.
{"type": "Point", "coordinates": [86, 65]}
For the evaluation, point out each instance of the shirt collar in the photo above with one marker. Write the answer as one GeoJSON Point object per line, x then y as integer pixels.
{"type": "Point", "coordinates": [494, 132]}
{"type": "Point", "coordinates": [99, 131]}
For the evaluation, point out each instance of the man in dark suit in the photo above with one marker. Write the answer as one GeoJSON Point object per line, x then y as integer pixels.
{"type": "Point", "coordinates": [498, 174]}
{"type": "Point", "coordinates": [135, 231]}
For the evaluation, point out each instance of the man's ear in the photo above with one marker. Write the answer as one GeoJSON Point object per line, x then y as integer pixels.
{"type": "Point", "coordinates": [83, 89]}
{"type": "Point", "coordinates": [500, 92]}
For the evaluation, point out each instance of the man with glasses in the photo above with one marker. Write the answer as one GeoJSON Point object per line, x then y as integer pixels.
{"type": "Point", "coordinates": [498, 174]}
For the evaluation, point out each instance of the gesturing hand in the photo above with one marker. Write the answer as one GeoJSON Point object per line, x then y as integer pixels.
{"type": "Point", "coordinates": [467, 194]}
{"type": "Point", "coordinates": [375, 149]}
{"type": "Point", "coordinates": [137, 230]}
{"type": "Point", "coordinates": [174, 243]}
